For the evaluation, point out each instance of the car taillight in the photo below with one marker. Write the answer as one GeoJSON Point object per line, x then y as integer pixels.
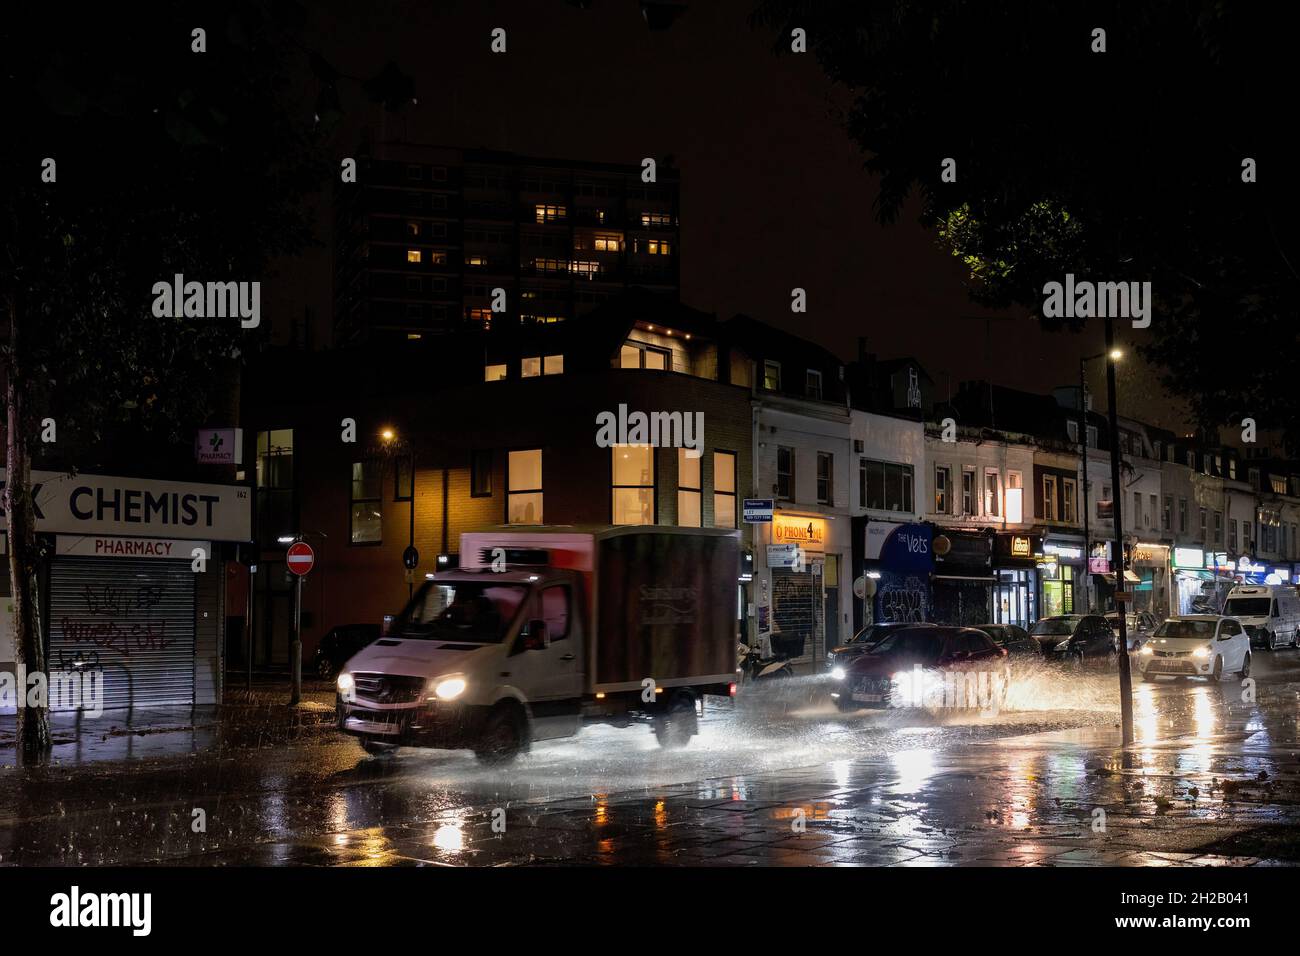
{"type": "Point", "coordinates": [732, 689]}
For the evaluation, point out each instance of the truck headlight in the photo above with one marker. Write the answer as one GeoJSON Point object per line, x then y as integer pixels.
{"type": "Point", "coordinates": [449, 688]}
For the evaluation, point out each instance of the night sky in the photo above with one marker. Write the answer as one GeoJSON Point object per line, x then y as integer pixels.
{"type": "Point", "coordinates": [773, 192]}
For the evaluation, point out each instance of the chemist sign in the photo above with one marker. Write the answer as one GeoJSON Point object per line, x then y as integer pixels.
{"type": "Point", "coordinates": [139, 507]}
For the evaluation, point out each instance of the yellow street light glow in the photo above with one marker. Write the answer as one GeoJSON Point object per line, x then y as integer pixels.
{"type": "Point", "coordinates": [1116, 354]}
{"type": "Point", "coordinates": [388, 434]}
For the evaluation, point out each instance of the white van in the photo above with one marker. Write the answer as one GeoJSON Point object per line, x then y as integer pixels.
{"type": "Point", "coordinates": [1270, 613]}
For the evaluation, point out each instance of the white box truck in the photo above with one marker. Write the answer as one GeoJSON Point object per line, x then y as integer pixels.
{"type": "Point", "coordinates": [1270, 613]}
{"type": "Point", "coordinates": [541, 630]}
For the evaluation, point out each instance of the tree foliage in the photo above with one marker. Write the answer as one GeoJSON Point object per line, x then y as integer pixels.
{"type": "Point", "coordinates": [1123, 165]}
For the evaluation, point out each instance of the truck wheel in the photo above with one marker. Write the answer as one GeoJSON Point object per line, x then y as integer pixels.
{"type": "Point", "coordinates": [675, 727]}
{"type": "Point", "coordinates": [375, 748]}
{"type": "Point", "coordinates": [503, 736]}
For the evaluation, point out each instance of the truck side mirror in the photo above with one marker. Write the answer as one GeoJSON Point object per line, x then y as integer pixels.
{"type": "Point", "coordinates": [536, 637]}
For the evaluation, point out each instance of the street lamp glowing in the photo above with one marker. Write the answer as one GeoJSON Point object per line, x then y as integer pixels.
{"type": "Point", "coordinates": [388, 434]}
{"type": "Point", "coordinates": [1116, 354]}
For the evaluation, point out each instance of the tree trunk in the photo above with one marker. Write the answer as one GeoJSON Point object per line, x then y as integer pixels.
{"type": "Point", "coordinates": [33, 722]}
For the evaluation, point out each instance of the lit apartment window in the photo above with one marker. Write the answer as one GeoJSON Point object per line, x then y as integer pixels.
{"type": "Point", "coordinates": [553, 365]}
{"type": "Point", "coordinates": [530, 367]}
{"type": "Point", "coordinates": [412, 255]}
{"type": "Point", "coordinates": [942, 490]}
{"type": "Point", "coordinates": [724, 489]}
{"type": "Point", "coordinates": [639, 355]}
{"type": "Point", "coordinates": [476, 262]}
{"type": "Point", "coordinates": [825, 478]}
{"type": "Point", "coordinates": [655, 219]}
{"type": "Point", "coordinates": [494, 373]}
{"type": "Point", "coordinates": [991, 493]}
{"type": "Point", "coordinates": [480, 315]}
{"type": "Point", "coordinates": [772, 376]}
{"type": "Point", "coordinates": [1049, 497]}
{"type": "Point", "coordinates": [634, 484]}
{"type": "Point", "coordinates": [813, 384]}
{"type": "Point", "coordinates": [658, 247]}
{"type": "Point", "coordinates": [608, 243]}
{"type": "Point", "coordinates": [524, 487]}
{"type": "Point", "coordinates": [785, 473]}
{"type": "Point", "coordinates": [689, 490]}
{"type": "Point", "coordinates": [366, 503]}
{"type": "Point", "coordinates": [547, 212]}
{"type": "Point", "coordinates": [588, 269]}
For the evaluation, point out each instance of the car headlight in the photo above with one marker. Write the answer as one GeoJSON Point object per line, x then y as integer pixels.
{"type": "Point", "coordinates": [449, 688]}
{"type": "Point", "coordinates": [1147, 651]}
{"type": "Point", "coordinates": [837, 673]}
{"type": "Point", "coordinates": [1201, 652]}
{"type": "Point", "coordinates": [345, 682]}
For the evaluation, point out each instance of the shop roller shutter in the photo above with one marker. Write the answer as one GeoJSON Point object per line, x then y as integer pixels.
{"type": "Point", "coordinates": [131, 619]}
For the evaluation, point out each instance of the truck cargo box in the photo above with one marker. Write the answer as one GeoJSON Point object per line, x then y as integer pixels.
{"type": "Point", "coordinates": [661, 601]}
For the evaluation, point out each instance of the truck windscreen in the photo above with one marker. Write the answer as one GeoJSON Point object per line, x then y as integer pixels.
{"type": "Point", "coordinates": [473, 611]}
{"type": "Point", "coordinates": [1248, 607]}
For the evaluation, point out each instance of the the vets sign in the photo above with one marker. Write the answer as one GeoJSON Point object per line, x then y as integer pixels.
{"type": "Point", "coordinates": [104, 505]}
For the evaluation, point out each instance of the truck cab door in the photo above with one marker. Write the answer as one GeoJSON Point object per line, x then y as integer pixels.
{"type": "Point", "coordinates": [550, 675]}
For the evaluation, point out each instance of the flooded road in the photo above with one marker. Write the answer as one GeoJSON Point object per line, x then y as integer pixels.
{"type": "Point", "coordinates": [212, 796]}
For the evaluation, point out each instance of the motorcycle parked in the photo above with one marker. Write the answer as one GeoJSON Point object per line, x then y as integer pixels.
{"type": "Point", "coordinates": [752, 666]}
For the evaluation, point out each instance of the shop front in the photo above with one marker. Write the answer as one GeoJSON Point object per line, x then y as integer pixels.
{"type": "Point", "coordinates": [1060, 576]}
{"type": "Point", "coordinates": [799, 613]}
{"type": "Point", "coordinates": [135, 584]}
{"type": "Point", "coordinates": [962, 584]}
{"type": "Point", "coordinates": [1194, 590]}
{"type": "Point", "coordinates": [1151, 590]}
{"type": "Point", "coordinates": [1015, 588]}
{"type": "Point", "coordinates": [899, 562]}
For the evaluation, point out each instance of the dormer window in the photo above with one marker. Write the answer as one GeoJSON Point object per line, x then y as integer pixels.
{"type": "Point", "coordinates": [813, 384]}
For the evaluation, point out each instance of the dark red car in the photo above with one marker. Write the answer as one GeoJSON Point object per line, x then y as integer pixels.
{"type": "Point", "coordinates": [929, 666]}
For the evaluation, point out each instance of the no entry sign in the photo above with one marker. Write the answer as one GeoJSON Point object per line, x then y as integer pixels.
{"type": "Point", "coordinates": [300, 557]}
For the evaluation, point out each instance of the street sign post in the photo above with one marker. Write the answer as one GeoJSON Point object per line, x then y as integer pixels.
{"type": "Point", "coordinates": [758, 510]}
{"type": "Point", "coordinates": [300, 559]}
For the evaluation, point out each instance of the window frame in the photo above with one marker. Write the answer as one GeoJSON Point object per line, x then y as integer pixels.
{"type": "Point", "coordinates": [734, 494]}
{"type": "Point", "coordinates": [653, 486]}
{"type": "Point", "coordinates": [511, 492]}
{"type": "Point", "coordinates": [827, 481]}
{"type": "Point", "coordinates": [476, 472]}
{"type": "Point", "coordinates": [377, 500]}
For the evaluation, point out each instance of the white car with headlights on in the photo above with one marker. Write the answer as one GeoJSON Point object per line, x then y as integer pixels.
{"type": "Point", "coordinates": [1196, 645]}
